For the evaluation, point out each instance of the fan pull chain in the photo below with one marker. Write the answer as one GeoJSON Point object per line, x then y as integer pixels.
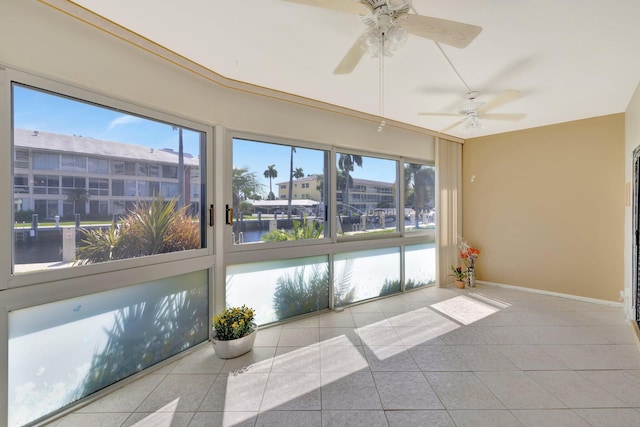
{"type": "Point", "coordinates": [381, 83]}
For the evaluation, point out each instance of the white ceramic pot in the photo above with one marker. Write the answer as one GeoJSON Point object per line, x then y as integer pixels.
{"type": "Point", "coordinates": [228, 349]}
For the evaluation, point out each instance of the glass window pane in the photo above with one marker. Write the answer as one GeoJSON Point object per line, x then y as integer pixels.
{"type": "Point", "coordinates": [21, 159]}
{"type": "Point", "coordinates": [278, 192]}
{"type": "Point", "coordinates": [420, 197]}
{"type": "Point", "coordinates": [420, 265]}
{"type": "Point", "coordinates": [99, 339]}
{"type": "Point", "coordinates": [111, 143]}
{"type": "Point", "coordinates": [365, 274]}
{"type": "Point", "coordinates": [100, 166]}
{"type": "Point", "coordinates": [280, 289]}
{"type": "Point", "coordinates": [366, 195]}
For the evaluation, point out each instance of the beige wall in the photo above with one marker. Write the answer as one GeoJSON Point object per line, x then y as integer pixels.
{"type": "Point", "coordinates": [546, 207]}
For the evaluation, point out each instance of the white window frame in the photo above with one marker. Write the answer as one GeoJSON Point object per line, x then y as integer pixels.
{"type": "Point", "coordinates": [9, 76]}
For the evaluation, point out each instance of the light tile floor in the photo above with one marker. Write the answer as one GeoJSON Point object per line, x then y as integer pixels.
{"type": "Point", "coordinates": [484, 356]}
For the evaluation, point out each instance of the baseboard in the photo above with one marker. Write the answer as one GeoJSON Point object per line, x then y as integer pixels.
{"type": "Point", "coordinates": [555, 294]}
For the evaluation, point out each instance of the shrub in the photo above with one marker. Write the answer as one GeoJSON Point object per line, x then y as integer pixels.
{"type": "Point", "coordinates": [233, 322]}
{"type": "Point", "coordinates": [151, 228]}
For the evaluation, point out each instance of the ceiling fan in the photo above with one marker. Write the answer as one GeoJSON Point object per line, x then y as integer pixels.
{"type": "Point", "coordinates": [388, 22]}
{"type": "Point", "coordinates": [472, 111]}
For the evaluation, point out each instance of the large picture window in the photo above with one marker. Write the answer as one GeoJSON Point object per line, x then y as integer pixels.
{"type": "Point", "coordinates": [279, 192]}
{"type": "Point", "coordinates": [419, 197]}
{"type": "Point", "coordinates": [366, 193]}
{"type": "Point", "coordinates": [76, 151]}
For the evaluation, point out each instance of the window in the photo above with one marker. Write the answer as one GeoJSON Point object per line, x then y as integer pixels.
{"type": "Point", "coordinates": [113, 144]}
{"type": "Point", "coordinates": [130, 189]}
{"type": "Point", "coordinates": [100, 166]}
{"type": "Point", "coordinates": [46, 184]}
{"type": "Point", "coordinates": [21, 159]}
{"type": "Point", "coordinates": [74, 163]}
{"type": "Point", "coordinates": [143, 189]}
{"type": "Point", "coordinates": [280, 289]}
{"type": "Point", "coordinates": [361, 207]}
{"type": "Point", "coordinates": [98, 187]}
{"type": "Point", "coordinates": [74, 185]}
{"type": "Point", "coordinates": [117, 187]}
{"type": "Point", "coordinates": [143, 169]}
{"type": "Point", "coordinates": [21, 184]}
{"type": "Point", "coordinates": [46, 161]}
{"type": "Point", "coordinates": [169, 171]}
{"type": "Point", "coordinates": [154, 170]}
{"type": "Point", "coordinates": [106, 339]}
{"type": "Point", "coordinates": [420, 198]}
{"type": "Point", "coordinates": [99, 208]}
{"type": "Point", "coordinates": [260, 214]}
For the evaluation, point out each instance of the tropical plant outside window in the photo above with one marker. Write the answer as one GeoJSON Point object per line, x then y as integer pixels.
{"type": "Point", "coordinates": [366, 189]}
{"type": "Point", "coordinates": [420, 197]}
{"type": "Point", "coordinates": [86, 176]}
{"type": "Point", "coordinates": [278, 192]}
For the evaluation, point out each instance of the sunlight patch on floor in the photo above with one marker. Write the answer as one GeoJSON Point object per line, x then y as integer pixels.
{"type": "Point", "coordinates": [464, 309]}
{"type": "Point", "coordinates": [163, 417]}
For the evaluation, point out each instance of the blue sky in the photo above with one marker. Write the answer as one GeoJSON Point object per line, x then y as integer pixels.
{"type": "Point", "coordinates": [257, 156]}
{"type": "Point", "coordinates": [45, 112]}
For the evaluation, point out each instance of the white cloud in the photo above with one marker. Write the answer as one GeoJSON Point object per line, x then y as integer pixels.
{"type": "Point", "coordinates": [124, 120]}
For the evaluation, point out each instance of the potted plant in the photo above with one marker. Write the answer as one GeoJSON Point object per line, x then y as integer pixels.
{"type": "Point", "coordinates": [459, 274]}
{"type": "Point", "coordinates": [234, 332]}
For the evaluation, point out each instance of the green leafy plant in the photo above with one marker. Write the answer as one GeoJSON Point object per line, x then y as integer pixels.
{"type": "Point", "coordinates": [301, 230]}
{"type": "Point", "coordinates": [150, 228]}
{"type": "Point", "coordinates": [233, 323]}
{"type": "Point", "coordinates": [458, 273]}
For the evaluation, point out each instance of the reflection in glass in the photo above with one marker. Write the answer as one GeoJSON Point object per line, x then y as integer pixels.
{"type": "Point", "coordinates": [365, 274]}
{"type": "Point", "coordinates": [63, 351]}
{"type": "Point", "coordinates": [419, 265]}
{"type": "Point", "coordinates": [420, 197]}
{"type": "Point", "coordinates": [280, 289]}
{"type": "Point", "coordinates": [89, 165]}
{"type": "Point", "coordinates": [366, 195]}
{"type": "Point", "coordinates": [278, 192]}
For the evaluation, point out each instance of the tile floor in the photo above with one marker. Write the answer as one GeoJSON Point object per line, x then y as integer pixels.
{"type": "Point", "coordinates": [485, 356]}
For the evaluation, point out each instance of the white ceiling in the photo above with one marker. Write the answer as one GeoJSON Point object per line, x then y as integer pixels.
{"type": "Point", "coordinates": [570, 59]}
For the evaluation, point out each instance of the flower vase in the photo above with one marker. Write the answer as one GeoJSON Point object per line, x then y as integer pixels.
{"type": "Point", "coordinates": [471, 277]}
{"type": "Point", "coordinates": [460, 284]}
{"type": "Point", "coordinates": [228, 349]}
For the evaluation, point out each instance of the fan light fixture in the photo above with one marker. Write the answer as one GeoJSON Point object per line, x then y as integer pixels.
{"type": "Point", "coordinates": [472, 124]}
{"type": "Point", "coordinates": [378, 42]}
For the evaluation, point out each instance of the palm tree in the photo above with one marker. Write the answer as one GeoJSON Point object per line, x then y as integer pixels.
{"type": "Point", "coordinates": [293, 150]}
{"type": "Point", "coordinates": [346, 163]}
{"type": "Point", "coordinates": [271, 173]}
{"type": "Point", "coordinates": [245, 186]}
{"type": "Point", "coordinates": [423, 178]}
{"type": "Point", "coordinates": [79, 197]}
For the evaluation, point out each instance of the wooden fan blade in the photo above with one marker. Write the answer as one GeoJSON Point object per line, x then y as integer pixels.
{"type": "Point", "coordinates": [458, 123]}
{"type": "Point", "coordinates": [349, 6]}
{"type": "Point", "coordinates": [352, 58]}
{"type": "Point", "coordinates": [452, 33]}
{"type": "Point", "coordinates": [508, 117]}
{"type": "Point", "coordinates": [503, 98]}
{"type": "Point", "coordinates": [440, 114]}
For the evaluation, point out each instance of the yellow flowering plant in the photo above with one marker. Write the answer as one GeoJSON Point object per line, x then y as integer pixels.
{"type": "Point", "coordinates": [233, 322]}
